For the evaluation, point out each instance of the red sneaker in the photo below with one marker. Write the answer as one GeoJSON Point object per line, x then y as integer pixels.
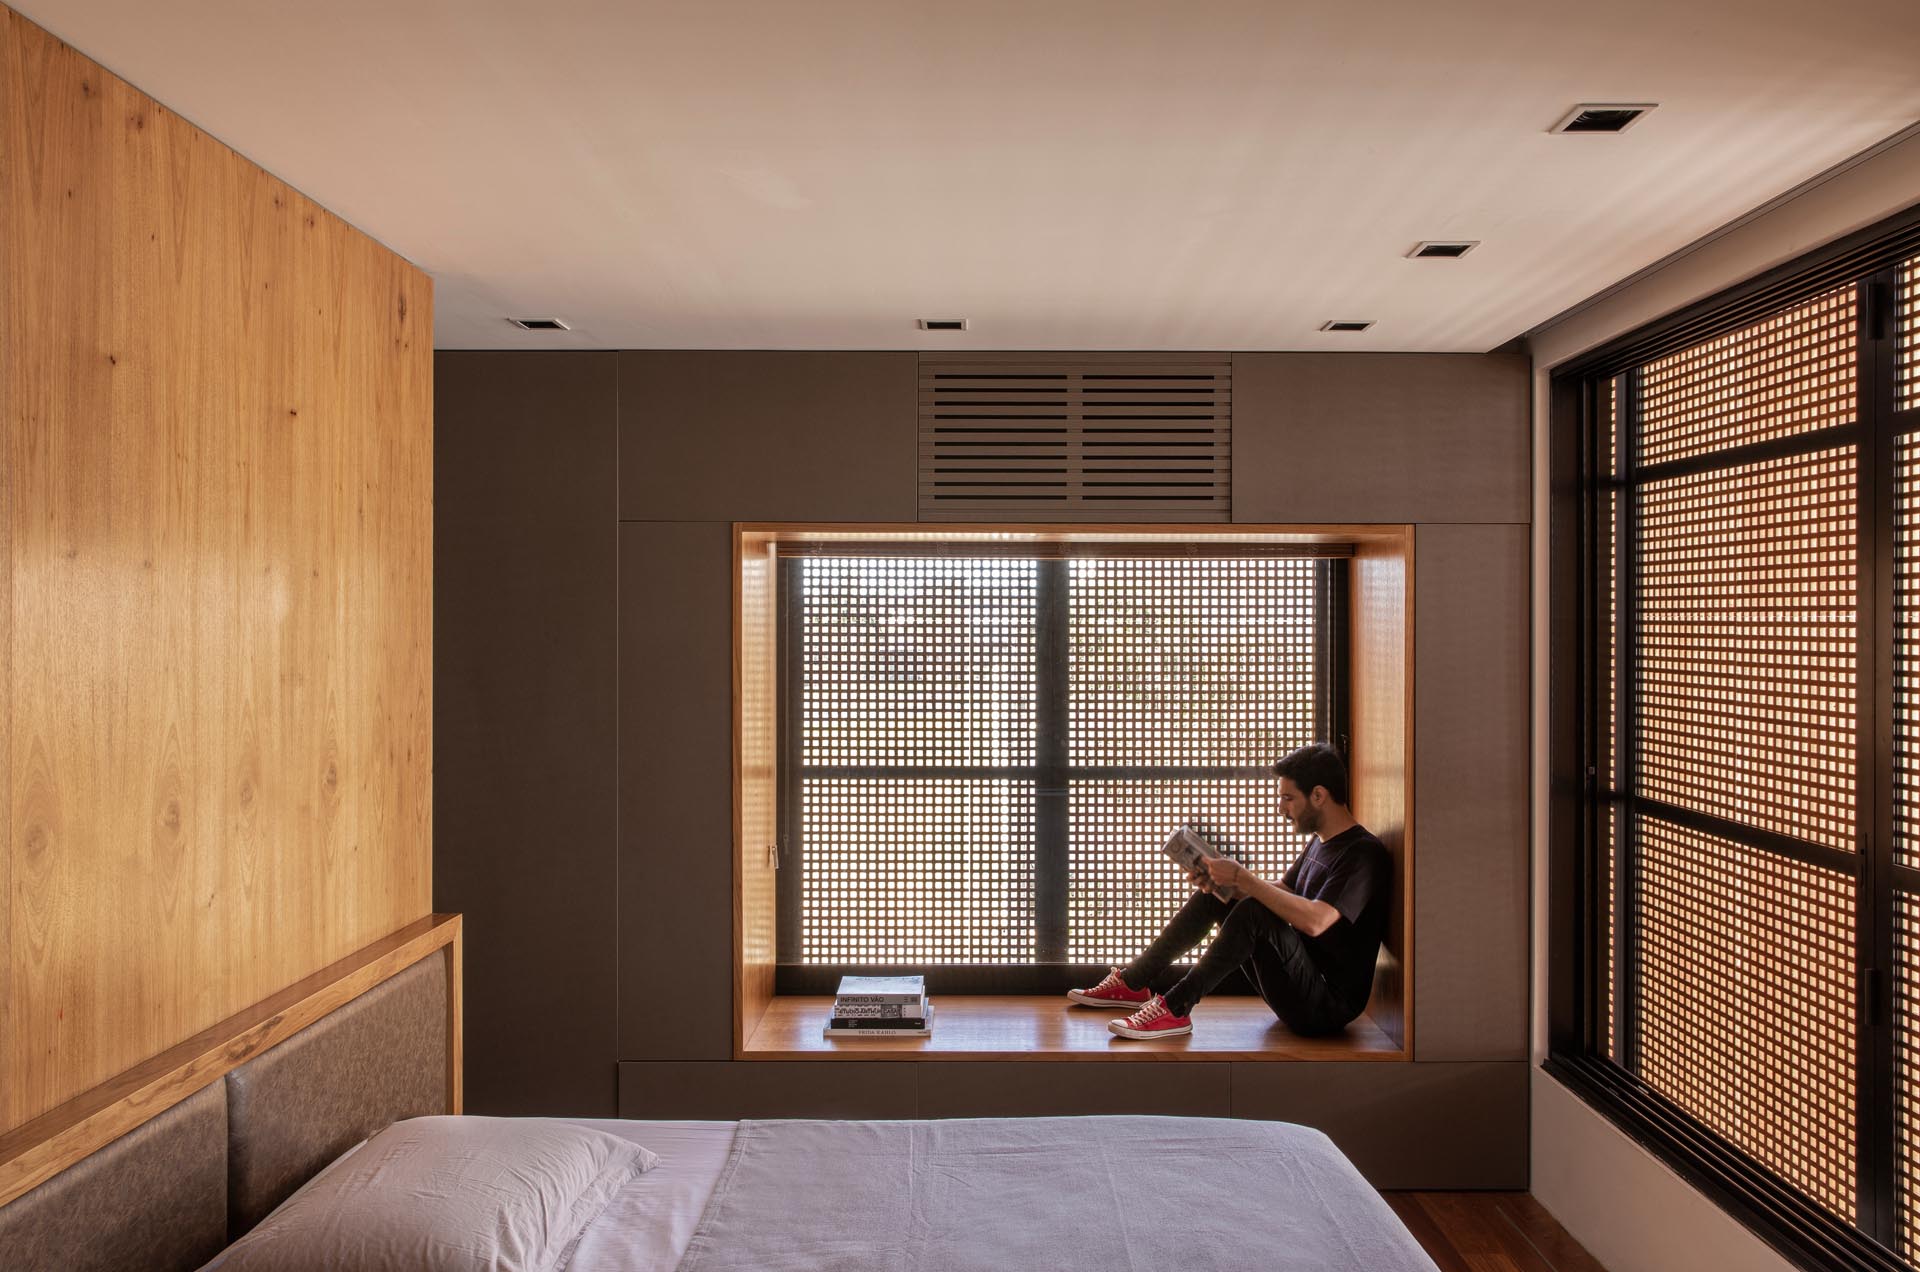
{"type": "Point", "coordinates": [1152, 1021]}
{"type": "Point", "coordinates": [1111, 992]}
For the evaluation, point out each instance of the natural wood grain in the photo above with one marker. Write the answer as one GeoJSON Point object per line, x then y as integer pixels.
{"type": "Point", "coordinates": [1544, 1233]}
{"type": "Point", "coordinates": [1489, 1232]}
{"type": "Point", "coordinates": [218, 602]}
{"type": "Point", "coordinates": [40, 1149]}
{"type": "Point", "coordinates": [1086, 532]}
{"type": "Point", "coordinates": [7, 427]}
{"type": "Point", "coordinates": [1381, 763]}
{"type": "Point", "coordinates": [1021, 1027]}
{"type": "Point", "coordinates": [456, 1027]}
{"type": "Point", "coordinates": [756, 779]}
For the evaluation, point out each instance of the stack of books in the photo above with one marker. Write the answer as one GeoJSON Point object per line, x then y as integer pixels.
{"type": "Point", "coordinates": [881, 1007]}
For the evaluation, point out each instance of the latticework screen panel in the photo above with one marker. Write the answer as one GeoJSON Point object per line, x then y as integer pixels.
{"type": "Point", "coordinates": [1906, 651]}
{"type": "Point", "coordinates": [1789, 374]}
{"type": "Point", "coordinates": [1120, 888]}
{"type": "Point", "coordinates": [1612, 849]}
{"type": "Point", "coordinates": [1746, 1002]}
{"type": "Point", "coordinates": [1907, 393]}
{"type": "Point", "coordinates": [1906, 1043]}
{"type": "Point", "coordinates": [922, 870]}
{"type": "Point", "coordinates": [1184, 662]}
{"type": "Point", "coordinates": [920, 744]}
{"type": "Point", "coordinates": [1606, 548]}
{"type": "Point", "coordinates": [1746, 663]}
{"type": "Point", "coordinates": [919, 661]}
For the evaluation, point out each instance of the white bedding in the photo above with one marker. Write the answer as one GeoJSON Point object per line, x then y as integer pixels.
{"type": "Point", "coordinates": [649, 1222]}
{"type": "Point", "coordinates": [1305, 1206]}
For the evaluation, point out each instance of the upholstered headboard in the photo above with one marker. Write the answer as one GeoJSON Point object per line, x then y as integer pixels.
{"type": "Point", "coordinates": [296, 1081]}
{"type": "Point", "coordinates": [380, 1058]}
{"type": "Point", "coordinates": [156, 1197]}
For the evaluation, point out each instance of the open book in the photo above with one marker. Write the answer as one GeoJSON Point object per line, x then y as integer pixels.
{"type": "Point", "coordinates": [1189, 851]}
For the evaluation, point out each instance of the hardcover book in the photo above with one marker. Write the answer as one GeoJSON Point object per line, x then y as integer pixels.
{"type": "Point", "coordinates": [880, 990]}
{"type": "Point", "coordinates": [881, 1028]}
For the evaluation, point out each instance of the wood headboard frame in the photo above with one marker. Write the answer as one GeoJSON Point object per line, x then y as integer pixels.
{"type": "Point", "coordinates": [38, 1150]}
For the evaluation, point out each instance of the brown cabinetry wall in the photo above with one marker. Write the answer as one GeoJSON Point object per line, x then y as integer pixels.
{"type": "Point", "coordinates": [703, 439]}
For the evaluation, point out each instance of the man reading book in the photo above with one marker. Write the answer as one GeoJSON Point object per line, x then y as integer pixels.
{"type": "Point", "coordinates": [1307, 943]}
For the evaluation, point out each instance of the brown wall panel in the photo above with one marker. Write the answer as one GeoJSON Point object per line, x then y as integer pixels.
{"type": "Point", "coordinates": [526, 659]}
{"type": "Point", "coordinates": [740, 436]}
{"type": "Point", "coordinates": [1404, 1125]}
{"type": "Point", "coordinates": [1038, 1089]}
{"type": "Point", "coordinates": [676, 791]}
{"type": "Point", "coordinates": [1470, 792]}
{"type": "Point", "coordinates": [737, 1089]}
{"type": "Point", "coordinates": [1380, 437]}
{"type": "Point", "coordinates": [1418, 1125]}
{"type": "Point", "coordinates": [218, 604]}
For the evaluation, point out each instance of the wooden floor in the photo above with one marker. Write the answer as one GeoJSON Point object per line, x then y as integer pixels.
{"type": "Point", "coordinates": [1489, 1232]}
{"type": "Point", "coordinates": [1026, 1027]}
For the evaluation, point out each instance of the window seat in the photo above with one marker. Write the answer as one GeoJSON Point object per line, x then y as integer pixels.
{"type": "Point", "coordinates": [1047, 1027]}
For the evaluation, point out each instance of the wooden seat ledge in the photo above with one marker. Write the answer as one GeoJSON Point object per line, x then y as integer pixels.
{"type": "Point", "coordinates": [1048, 1027]}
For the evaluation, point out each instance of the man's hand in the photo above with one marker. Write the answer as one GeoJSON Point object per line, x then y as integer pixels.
{"type": "Point", "coordinates": [1226, 879]}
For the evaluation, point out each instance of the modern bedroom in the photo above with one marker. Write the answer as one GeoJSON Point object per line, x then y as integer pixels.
{"type": "Point", "coordinates": [1093, 636]}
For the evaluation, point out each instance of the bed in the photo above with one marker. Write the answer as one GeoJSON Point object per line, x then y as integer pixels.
{"type": "Point", "coordinates": [333, 1149]}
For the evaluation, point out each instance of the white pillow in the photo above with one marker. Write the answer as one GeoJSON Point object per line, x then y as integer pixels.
{"type": "Point", "coordinates": [448, 1194]}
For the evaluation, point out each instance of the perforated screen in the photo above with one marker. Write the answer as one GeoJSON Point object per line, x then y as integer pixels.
{"type": "Point", "coordinates": [1746, 1001]}
{"type": "Point", "coordinates": [1906, 1044]}
{"type": "Point", "coordinates": [1752, 739]}
{"type": "Point", "coordinates": [1119, 889]}
{"type": "Point", "coordinates": [1906, 650]}
{"type": "Point", "coordinates": [1907, 390]}
{"type": "Point", "coordinates": [1746, 656]}
{"type": "Point", "coordinates": [1607, 555]}
{"type": "Point", "coordinates": [1189, 662]}
{"type": "Point", "coordinates": [1793, 373]}
{"type": "Point", "coordinates": [934, 699]}
{"type": "Point", "coordinates": [1740, 659]}
{"type": "Point", "coordinates": [917, 661]}
{"type": "Point", "coordinates": [936, 870]}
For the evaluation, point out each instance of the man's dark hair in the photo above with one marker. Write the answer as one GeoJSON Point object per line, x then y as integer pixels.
{"type": "Point", "coordinates": [1316, 765]}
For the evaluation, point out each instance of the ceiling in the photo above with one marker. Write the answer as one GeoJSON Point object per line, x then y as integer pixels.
{"type": "Point", "coordinates": [1072, 174]}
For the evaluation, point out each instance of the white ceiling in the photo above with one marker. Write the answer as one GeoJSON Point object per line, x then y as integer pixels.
{"type": "Point", "coordinates": [1081, 174]}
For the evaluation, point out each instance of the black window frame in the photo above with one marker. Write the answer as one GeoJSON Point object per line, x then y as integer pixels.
{"type": "Point", "coordinates": [1775, 1210]}
{"type": "Point", "coordinates": [1050, 972]}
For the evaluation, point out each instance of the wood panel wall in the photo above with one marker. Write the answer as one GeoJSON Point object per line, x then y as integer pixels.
{"type": "Point", "coordinates": [215, 580]}
{"type": "Point", "coordinates": [756, 757]}
{"type": "Point", "coordinates": [1380, 768]}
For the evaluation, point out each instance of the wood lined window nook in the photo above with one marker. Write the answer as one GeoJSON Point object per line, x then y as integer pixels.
{"type": "Point", "coordinates": [1002, 722]}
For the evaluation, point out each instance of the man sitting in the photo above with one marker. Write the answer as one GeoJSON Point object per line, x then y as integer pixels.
{"type": "Point", "coordinates": [1308, 943]}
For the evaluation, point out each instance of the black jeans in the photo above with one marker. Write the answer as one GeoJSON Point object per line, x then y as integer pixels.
{"type": "Point", "coordinates": [1271, 950]}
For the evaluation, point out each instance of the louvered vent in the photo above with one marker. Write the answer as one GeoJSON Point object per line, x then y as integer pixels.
{"type": "Point", "coordinates": [1075, 440]}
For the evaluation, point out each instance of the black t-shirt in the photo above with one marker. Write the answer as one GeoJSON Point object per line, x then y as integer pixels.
{"type": "Point", "coordinates": [1353, 873]}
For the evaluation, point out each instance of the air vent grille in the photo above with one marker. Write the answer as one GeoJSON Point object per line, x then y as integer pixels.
{"type": "Point", "coordinates": [1431, 250]}
{"type": "Point", "coordinates": [1602, 117]}
{"type": "Point", "coordinates": [1075, 440]}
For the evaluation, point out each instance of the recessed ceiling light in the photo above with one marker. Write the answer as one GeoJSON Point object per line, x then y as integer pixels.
{"type": "Point", "coordinates": [943, 324]}
{"type": "Point", "coordinates": [1602, 117]}
{"type": "Point", "coordinates": [1346, 324]}
{"type": "Point", "coordinates": [540, 324]}
{"type": "Point", "coordinates": [1432, 250]}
